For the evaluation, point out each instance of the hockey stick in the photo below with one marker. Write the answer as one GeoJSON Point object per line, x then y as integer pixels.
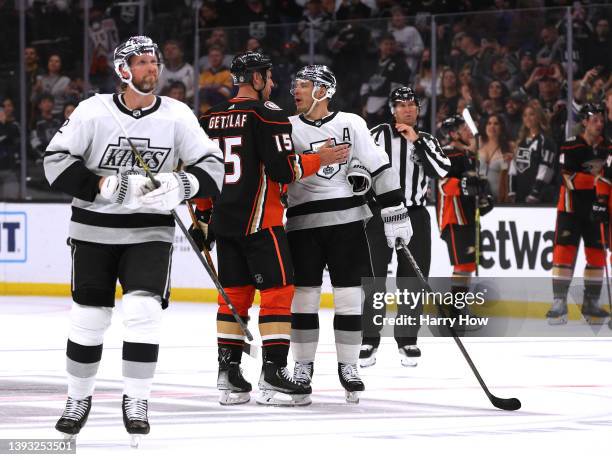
{"type": "Point", "coordinates": [467, 116]}
{"type": "Point", "coordinates": [211, 273]}
{"type": "Point", "coordinates": [500, 403]}
{"type": "Point", "coordinates": [602, 235]}
{"type": "Point", "coordinates": [250, 349]}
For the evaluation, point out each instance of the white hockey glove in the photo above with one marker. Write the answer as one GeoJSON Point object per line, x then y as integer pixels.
{"type": "Point", "coordinates": [173, 189]}
{"type": "Point", "coordinates": [359, 177]}
{"type": "Point", "coordinates": [124, 189]}
{"type": "Point", "coordinates": [397, 225]}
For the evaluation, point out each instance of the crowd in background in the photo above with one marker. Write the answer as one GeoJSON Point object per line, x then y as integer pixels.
{"type": "Point", "coordinates": [509, 67]}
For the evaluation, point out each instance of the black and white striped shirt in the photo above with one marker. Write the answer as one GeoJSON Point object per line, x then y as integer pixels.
{"type": "Point", "coordinates": [415, 162]}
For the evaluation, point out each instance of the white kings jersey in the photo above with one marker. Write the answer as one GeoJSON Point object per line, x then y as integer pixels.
{"type": "Point", "coordinates": [326, 198]}
{"type": "Point", "coordinates": [90, 145]}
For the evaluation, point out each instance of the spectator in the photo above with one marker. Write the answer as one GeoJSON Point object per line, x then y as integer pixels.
{"type": "Point", "coordinates": [257, 17]}
{"type": "Point", "coordinates": [549, 88]}
{"type": "Point", "coordinates": [465, 75]}
{"type": "Point", "coordinates": [495, 102]}
{"type": "Point", "coordinates": [45, 127]}
{"type": "Point", "coordinates": [33, 71]}
{"type": "Point", "coordinates": [218, 37]}
{"type": "Point", "coordinates": [552, 46]}
{"type": "Point", "coordinates": [68, 109]}
{"type": "Point", "coordinates": [591, 87]}
{"type": "Point", "coordinates": [424, 87]}
{"type": "Point", "coordinates": [253, 44]}
{"type": "Point", "coordinates": [178, 91]}
{"type": "Point", "coordinates": [209, 16]}
{"type": "Point", "coordinates": [176, 69]}
{"type": "Point", "coordinates": [314, 27]}
{"type": "Point", "coordinates": [216, 82]}
{"type": "Point", "coordinates": [513, 115]}
{"type": "Point", "coordinates": [582, 32]}
{"type": "Point", "coordinates": [477, 58]}
{"type": "Point", "coordinates": [531, 171]}
{"type": "Point", "coordinates": [500, 71]}
{"type": "Point", "coordinates": [347, 7]}
{"type": "Point", "coordinates": [9, 136]}
{"type": "Point", "coordinates": [449, 96]}
{"type": "Point", "coordinates": [608, 125]}
{"type": "Point", "coordinates": [407, 37]}
{"type": "Point", "coordinates": [495, 154]}
{"type": "Point", "coordinates": [389, 72]}
{"type": "Point", "coordinates": [599, 48]}
{"type": "Point", "coordinates": [526, 66]}
{"type": "Point", "coordinates": [54, 83]}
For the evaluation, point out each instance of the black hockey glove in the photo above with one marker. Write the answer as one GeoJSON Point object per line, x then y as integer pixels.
{"type": "Point", "coordinates": [600, 210]}
{"type": "Point", "coordinates": [485, 204]}
{"type": "Point", "coordinates": [470, 185]}
{"type": "Point", "coordinates": [203, 234]}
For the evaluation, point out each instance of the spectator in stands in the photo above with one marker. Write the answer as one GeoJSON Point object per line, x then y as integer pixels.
{"type": "Point", "coordinates": [33, 71]}
{"type": "Point", "coordinates": [494, 156]}
{"type": "Point", "coordinates": [257, 17]}
{"type": "Point", "coordinates": [176, 69]}
{"type": "Point", "coordinates": [68, 109]}
{"type": "Point", "coordinates": [407, 37]}
{"type": "Point", "coordinates": [449, 94]}
{"type": "Point", "coordinates": [424, 87]}
{"type": "Point", "coordinates": [54, 83]}
{"type": "Point", "coordinates": [218, 37]}
{"type": "Point", "coordinates": [9, 136]}
{"type": "Point", "coordinates": [45, 127]}
{"type": "Point", "coordinates": [526, 66]}
{"type": "Point", "coordinates": [472, 55]}
{"type": "Point", "coordinates": [388, 72]}
{"type": "Point", "coordinates": [552, 46]}
{"type": "Point", "coordinates": [608, 122]}
{"type": "Point", "coordinates": [253, 44]}
{"type": "Point", "coordinates": [495, 101]}
{"type": "Point", "coordinates": [513, 115]}
{"type": "Point", "coordinates": [531, 173]}
{"type": "Point", "coordinates": [314, 27]}
{"type": "Point", "coordinates": [216, 82]}
{"type": "Point", "coordinates": [500, 71]}
{"type": "Point", "coordinates": [549, 87]}
{"type": "Point", "coordinates": [591, 87]}
{"type": "Point", "coordinates": [347, 7]}
{"type": "Point", "coordinates": [209, 16]}
{"type": "Point", "coordinates": [177, 91]}
{"type": "Point", "coordinates": [599, 47]}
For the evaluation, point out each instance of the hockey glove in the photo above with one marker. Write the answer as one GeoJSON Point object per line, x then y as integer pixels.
{"type": "Point", "coordinates": [203, 234]}
{"type": "Point", "coordinates": [397, 225]}
{"type": "Point", "coordinates": [485, 204]}
{"type": "Point", "coordinates": [359, 177]}
{"type": "Point", "coordinates": [173, 189]}
{"type": "Point", "coordinates": [470, 185]}
{"type": "Point", "coordinates": [600, 210]}
{"type": "Point", "coordinates": [125, 189]}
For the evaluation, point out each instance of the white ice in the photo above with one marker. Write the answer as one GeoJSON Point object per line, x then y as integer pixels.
{"type": "Point", "coordinates": [436, 410]}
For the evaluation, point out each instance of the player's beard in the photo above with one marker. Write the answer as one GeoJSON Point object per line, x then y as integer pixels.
{"type": "Point", "coordinates": [147, 84]}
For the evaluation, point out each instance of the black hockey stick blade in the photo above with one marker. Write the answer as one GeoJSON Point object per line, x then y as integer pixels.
{"type": "Point", "coordinates": [505, 403]}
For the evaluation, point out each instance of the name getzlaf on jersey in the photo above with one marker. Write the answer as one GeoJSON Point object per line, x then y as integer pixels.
{"type": "Point", "coordinates": [164, 133]}
{"type": "Point", "coordinates": [326, 198]}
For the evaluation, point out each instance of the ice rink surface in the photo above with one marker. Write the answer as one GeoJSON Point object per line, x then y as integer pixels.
{"type": "Point", "coordinates": [436, 410]}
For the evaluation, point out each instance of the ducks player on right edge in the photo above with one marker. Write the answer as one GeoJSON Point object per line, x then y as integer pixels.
{"type": "Point", "coordinates": [325, 225]}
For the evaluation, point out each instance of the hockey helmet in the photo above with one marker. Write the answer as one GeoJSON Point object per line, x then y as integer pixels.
{"type": "Point", "coordinates": [403, 94]}
{"type": "Point", "coordinates": [589, 109]}
{"type": "Point", "coordinates": [243, 66]}
{"type": "Point", "coordinates": [134, 46]}
{"type": "Point", "coordinates": [319, 75]}
{"type": "Point", "coordinates": [452, 123]}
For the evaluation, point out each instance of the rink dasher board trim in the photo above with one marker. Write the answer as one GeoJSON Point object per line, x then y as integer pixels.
{"type": "Point", "coordinates": [510, 308]}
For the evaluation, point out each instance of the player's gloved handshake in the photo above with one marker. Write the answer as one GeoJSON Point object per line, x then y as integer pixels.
{"type": "Point", "coordinates": [134, 190]}
{"type": "Point", "coordinates": [203, 234]}
{"type": "Point", "coordinates": [600, 210]}
{"type": "Point", "coordinates": [397, 225]}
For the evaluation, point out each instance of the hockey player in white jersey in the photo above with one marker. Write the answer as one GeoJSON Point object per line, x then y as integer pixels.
{"type": "Point", "coordinates": [121, 227]}
{"type": "Point", "coordinates": [325, 224]}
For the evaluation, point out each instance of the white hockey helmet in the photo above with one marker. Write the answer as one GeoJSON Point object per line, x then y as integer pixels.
{"type": "Point", "coordinates": [320, 76]}
{"type": "Point", "coordinates": [135, 46]}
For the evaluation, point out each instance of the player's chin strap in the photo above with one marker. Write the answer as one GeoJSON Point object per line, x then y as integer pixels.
{"type": "Point", "coordinates": [315, 100]}
{"type": "Point", "coordinates": [260, 91]}
{"type": "Point", "coordinates": [128, 81]}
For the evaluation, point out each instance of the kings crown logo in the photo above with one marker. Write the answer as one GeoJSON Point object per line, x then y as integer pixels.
{"type": "Point", "coordinates": [119, 157]}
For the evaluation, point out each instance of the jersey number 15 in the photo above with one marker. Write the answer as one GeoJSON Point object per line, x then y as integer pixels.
{"type": "Point", "coordinates": [228, 146]}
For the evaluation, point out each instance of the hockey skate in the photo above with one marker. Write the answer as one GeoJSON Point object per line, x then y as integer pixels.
{"type": "Point", "coordinates": [367, 355]}
{"type": "Point", "coordinates": [302, 372]}
{"type": "Point", "coordinates": [410, 355]}
{"type": "Point", "coordinates": [592, 312]}
{"type": "Point", "coordinates": [278, 387]}
{"type": "Point", "coordinates": [233, 386]}
{"type": "Point", "coordinates": [350, 380]}
{"type": "Point", "coordinates": [557, 315]}
{"type": "Point", "coordinates": [135, 418]}
{"type": "Point", "coordinates": [74, 417]}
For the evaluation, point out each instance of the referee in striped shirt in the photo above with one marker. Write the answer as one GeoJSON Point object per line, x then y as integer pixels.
{"type": "Point", "coordinates": [416, 156]}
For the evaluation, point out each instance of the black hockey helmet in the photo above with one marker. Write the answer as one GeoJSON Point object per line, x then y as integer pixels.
{"type": "Point", "coordinates": [403, 94]}
{"type": "Point", "coordinates": [243, 65]}
{"type": "Point", "coordinates": [589, 109]}
{"type": "Point", "coordinates": [319, 75]}
{"type": "Point", "coordinates": [452, 123]}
